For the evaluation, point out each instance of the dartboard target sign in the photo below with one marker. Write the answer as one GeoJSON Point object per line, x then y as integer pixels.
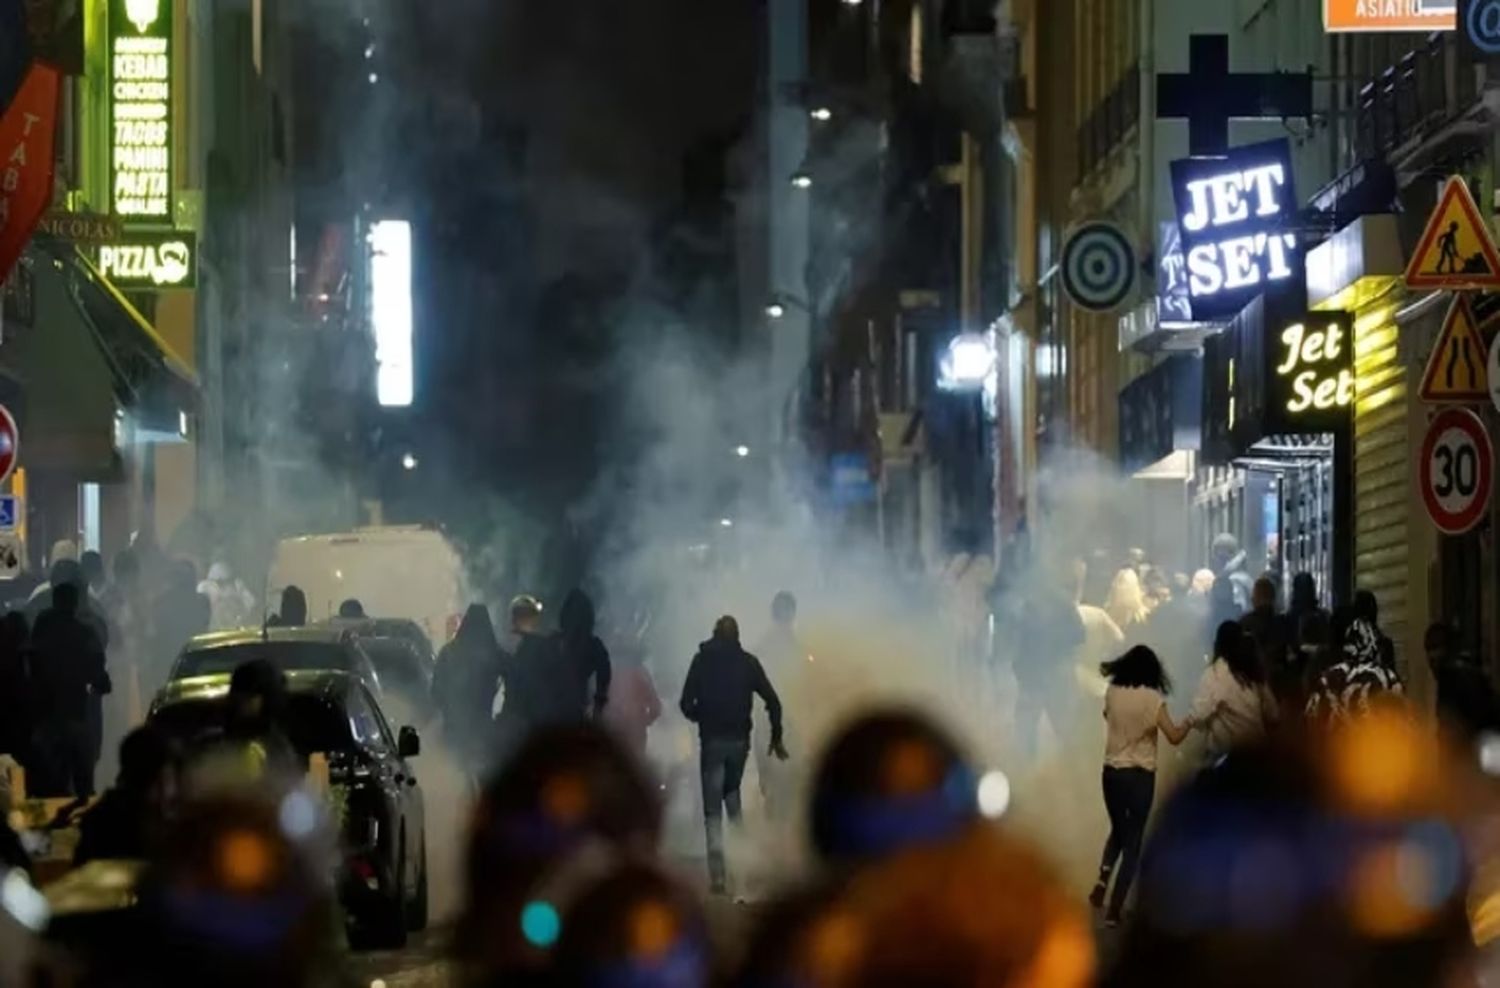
{"type": "Point", "coordinates": [1098, 267]}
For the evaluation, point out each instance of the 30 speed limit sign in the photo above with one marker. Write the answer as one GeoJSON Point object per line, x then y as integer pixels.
{"type": "Point", "coordinates": [1457, 470]}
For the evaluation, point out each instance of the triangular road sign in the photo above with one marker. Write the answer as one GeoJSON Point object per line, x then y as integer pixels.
{"type": "Point", "coordinates": [1457, 249]}
{"type": "Point", "coordinates": [1458, 367]}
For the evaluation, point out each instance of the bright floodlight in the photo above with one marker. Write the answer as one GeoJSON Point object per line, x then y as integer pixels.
{"type": "Point", "coordinates": [775, 310]}
{"type": "Point", "coordinates": [968, 363]}
{"type": "Point", "coordinates": [742, 451]}
{"type": "Point", "coordinates": [822, 114]}
{"type": "Point", "coordinates": [390, 310]}
{"type": "Point", "coordinates": [408, 462]}
{"type": "Point", "coordinates": [726, 522]}
{"type": "Point", "coordinates": [802, 180]}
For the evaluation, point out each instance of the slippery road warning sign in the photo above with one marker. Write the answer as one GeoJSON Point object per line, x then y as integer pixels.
{"type": "Point", "coordinates": [1457, 250]}
{"type": "Point", "coordinates": [1458, 367]}
{"type": "Point", "coordinates": [1457, 470]}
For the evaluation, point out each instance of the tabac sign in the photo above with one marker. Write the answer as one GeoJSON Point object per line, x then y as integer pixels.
{"type": "Point", "coordinates": [1235, 211]}
{"type": "Point", "coordinates": [141, 138]}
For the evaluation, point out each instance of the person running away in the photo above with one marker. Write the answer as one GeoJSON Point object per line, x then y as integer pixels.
{"type": "Point", "coordinates": [718, 695]}
{"type": "Point", "coordinates": [584, 652]}
{"type": "Point", "coordinates": [67, 672]}
{"type": "Point", "coordinates": [1233, 705]}
{"type": "Point", "coordinates": [1135, 712]}
{"type": "Point", "coordinates": [464, 682]}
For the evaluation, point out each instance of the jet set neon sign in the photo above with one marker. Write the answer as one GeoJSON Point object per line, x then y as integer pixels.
{"type": "Point", "coordinates": [1315, 366]}
{"type": "Point", "coordinates": [1233, 212]}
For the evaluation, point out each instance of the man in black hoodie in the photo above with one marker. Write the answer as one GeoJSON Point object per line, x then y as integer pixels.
{"type": "Point", "coordinates": [585, 654]}
{"type": "Point", "coordinates": [718, 695]}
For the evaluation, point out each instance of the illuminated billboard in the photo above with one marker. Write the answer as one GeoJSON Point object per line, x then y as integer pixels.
{"type": "Point", "coordinates": [1389, 15]}
{"type": "Point", "coordinates": [151, 261]}
{"type": "Point", "coordinates": [140, 61]}
{"type": "Point", "coordinates": [391, 310]}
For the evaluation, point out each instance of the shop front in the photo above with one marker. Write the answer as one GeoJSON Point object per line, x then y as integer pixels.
{"type": "Point", "coordinates": [1277, 397]}
{"type": "Point", "coordinates": [97, 392]}
{"type": "Point", "coordinates": [1160, 435]}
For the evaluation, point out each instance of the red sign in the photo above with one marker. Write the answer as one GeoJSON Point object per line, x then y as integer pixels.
{"type": "Point", "coordinates": [27, 132]}
{"type": "Point", "coordinates": [10, 444]}
{"type": "Point", "coordinates": [1457, 470]}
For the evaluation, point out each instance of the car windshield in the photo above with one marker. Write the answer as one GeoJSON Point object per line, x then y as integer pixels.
{"type": "Point", "coordinates": [286, 656]}
{"type": "Point", "coordinates": [312, 723]}
{"type": "Point", "coordinates": [396, 662]}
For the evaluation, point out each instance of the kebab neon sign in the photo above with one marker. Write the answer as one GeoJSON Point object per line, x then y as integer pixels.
{"type": "Point", "coordinates": [141, 111]}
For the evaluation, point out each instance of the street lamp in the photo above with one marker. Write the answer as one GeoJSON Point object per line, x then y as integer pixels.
{"type": "Point", "coordinates": [822, 114]}
{"type": "Point", "coordinates": [726, 522]}
{"type": "Point", "coordinates": [742, 451]}
{"type": "Point", "coordinates": [802, 180]}
{"type": "Point", "coordinates": [967, 364]}
{"type": "Point", "coordinates": [408, 461]}
{"type": "Point", "coordinates": [777, 307]}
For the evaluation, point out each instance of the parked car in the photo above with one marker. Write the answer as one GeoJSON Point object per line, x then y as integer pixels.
{"type": "Point", "coordinates": [289, 649]}
{"type": "Point", "coordinates": [374, 794]}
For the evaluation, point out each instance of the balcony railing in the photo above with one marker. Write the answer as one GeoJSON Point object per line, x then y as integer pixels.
{"type": "Point", "coordinates": [1425, 89]}
{"type": "Point", "coordinates": [1111, 120]}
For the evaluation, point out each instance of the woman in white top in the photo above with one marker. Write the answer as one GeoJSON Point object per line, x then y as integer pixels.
{"type": "Point", "coordinates": [1233, 705]}
{"type": "Point", "coordinates": [1135, 710]}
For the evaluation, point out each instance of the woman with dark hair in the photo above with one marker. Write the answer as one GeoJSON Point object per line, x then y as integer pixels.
{"type": "Point", "coordinates": [1135, 711]}
{"type": "Point", "coordinates": [1233, 705]}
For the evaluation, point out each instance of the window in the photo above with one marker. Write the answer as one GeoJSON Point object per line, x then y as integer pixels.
{"type": "Point", "coordinates": [365, 721]}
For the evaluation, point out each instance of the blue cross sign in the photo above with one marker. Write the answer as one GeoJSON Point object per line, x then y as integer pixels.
{"type": "Point", "coordinates": [10, 512]}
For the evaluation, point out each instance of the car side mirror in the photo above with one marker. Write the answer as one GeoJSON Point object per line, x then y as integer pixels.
{"type": "Point", "coordinates": [408, 743]}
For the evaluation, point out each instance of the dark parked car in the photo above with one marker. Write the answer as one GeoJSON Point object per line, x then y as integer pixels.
{"type": "Point", "coordinates": [405, 629]}
{"type": "Point", "coordinates": [373, 792]}
{"type": "Point", "coordinates": [289, 649]}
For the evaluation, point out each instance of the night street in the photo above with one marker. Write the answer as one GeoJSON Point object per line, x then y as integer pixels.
{"type": "Point", "coordinates": [749, 493]}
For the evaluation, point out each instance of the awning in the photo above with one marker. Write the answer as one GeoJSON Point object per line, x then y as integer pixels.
{"type": "Point", "coordinates": [89, 356]}
{"type": "Point", "coordinates": [146, 368]}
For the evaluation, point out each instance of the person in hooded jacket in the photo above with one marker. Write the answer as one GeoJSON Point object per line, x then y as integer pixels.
{"type": "Point", "coordinates": [464, 683]}
{"type": "Point", "coordinates": [16, 702]}
{"type": "Point", "coordinates": [293, 611]}
{"type": "Point", "coordinates": [231, 604]}
{"type": "Point", "coordinates": [722, 683]}
{"type": "Point", "coordinates": [538, 683]}
{"type": "Point", "coordinates": [67, 671]}
{"type": "Point", "coordinates": [584, 653]}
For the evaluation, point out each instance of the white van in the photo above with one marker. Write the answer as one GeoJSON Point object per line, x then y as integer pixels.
{"type": "Point", "coordinates": [395, 572]}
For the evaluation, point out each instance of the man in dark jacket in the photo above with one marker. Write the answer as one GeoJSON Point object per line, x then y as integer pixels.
{"type": "Point", "coordinates": [584, 652]}
{"type": "Point", "coordinates": [1273, 639]}
{"type": "Point", "coordinates": [720, 690]}
{"type": "Point", "coordinates": [67, 670]}
{"type": "Point", "coordinates": [540, 686]}
{"type": "Point", "coordinates": [121, 826]}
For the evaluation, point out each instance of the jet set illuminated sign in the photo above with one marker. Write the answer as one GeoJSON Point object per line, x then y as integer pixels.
{"type": "Point", "coordinates": [1314, 371]}
{"type": "Point", "coordinates": [141, 138]}
{"type": "Point", "coordinates": [1233, 212]}
{"type": "Point", "coordinates": [151, 262]}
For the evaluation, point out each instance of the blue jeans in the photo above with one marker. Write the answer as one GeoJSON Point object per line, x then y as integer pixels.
{"type": "Point", "coordinates": [721, 767]}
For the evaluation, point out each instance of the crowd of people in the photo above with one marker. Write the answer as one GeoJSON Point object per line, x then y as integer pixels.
{"type": "Point", "coordinates": [1328, 836]}
{"type": "Point", "coordinates": [78, 651]}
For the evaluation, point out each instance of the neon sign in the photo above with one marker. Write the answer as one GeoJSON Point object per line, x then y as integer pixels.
{"type": "Point", "coordinates": [140, 57]}
{"type": "Point", "coordinates": [1232, 211]}
{"type": "Point", "coordinates": [151, 261]}
{"type": "Point", "coordinates": [1315, 364]}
